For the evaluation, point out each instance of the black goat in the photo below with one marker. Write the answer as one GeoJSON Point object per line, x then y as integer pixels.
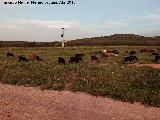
{"type": "Point", "coordinates": [132, 52]}
{"type": "Point", "coordinates": [154, 53]}
{"type": "Point", "coordinates": [38, 58]}
{"type": "Point", "coordinates": [75, 59]}
{"type": "Point", "coordinates": [131, 59]}
{"type": "Point", "coordinates": [157, 58]}
{"type": "Point", "coordinates": [79, 55]}
{"type": "Point", "coordinates": [115, 52]}
{"type": "Point", "coordinates": [22, 58]}
{"type": "Point", "coordinates": [10, 54]}
{"type": "Point", "coordinates": [61, 61]}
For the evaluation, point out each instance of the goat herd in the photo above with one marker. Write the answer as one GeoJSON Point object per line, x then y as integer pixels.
{"type": "Point", "coordinates": [23, 58]}
{"type": "Point", "coordinates": [131, 58]}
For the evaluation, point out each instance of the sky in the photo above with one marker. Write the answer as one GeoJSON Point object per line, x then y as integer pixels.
{"type": "Point", "coordinates": [84, 19]}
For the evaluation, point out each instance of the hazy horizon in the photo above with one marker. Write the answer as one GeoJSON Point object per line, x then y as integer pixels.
{"type": "Point", "coordinates": [84, 19]}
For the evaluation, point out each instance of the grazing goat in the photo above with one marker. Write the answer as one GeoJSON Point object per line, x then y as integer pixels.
{"type": "Point", "coordinates": [157, 58]}
{"type": "Point", "coordinates": [115, 52]}
{"type": "Point", "coordinates": [131, 59]}
{"type": "Point", "coordinates": [105, 55]}
{"type": "Point", "coordinates": [75, 59]}
{"type": "Point", "coordinates": [38, 58]}
{"type": "Point", "coordinates": [10, 54]}
{"type": "Point", "coordinates": [94, 58]}
{"type": "Point", "coordinates": [79, 55]}
{"type": "Point", "coordinates": [61, 61]}
{"type": "Point", "coordinates": [22, 58]}
{"type": "Point", "coordinates": [132, 52]}
{"type": "Point", "coordinates": [154, 53]}
{"type": "Point", "coordinates": [34, 56]}
{"type": "Point", "coordinates": [146, 50]}
{"type": "Point", "coordinates": [104, 51]}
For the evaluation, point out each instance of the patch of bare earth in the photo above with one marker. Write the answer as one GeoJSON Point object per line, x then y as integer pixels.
{"type": "Point", "coordinates": [29, 103]}
{"type": "Point", "coordinates": [149, 65]}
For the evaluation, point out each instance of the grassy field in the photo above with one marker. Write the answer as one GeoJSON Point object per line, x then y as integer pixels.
{"type": "Point", "coordinates": [109, 78]}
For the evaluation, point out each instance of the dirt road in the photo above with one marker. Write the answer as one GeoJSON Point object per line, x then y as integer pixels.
{"type": "Point", "coordinates": [28, 103]}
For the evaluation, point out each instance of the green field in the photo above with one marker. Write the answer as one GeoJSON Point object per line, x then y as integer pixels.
{"type": "Point", "coordinates": [109, 78]}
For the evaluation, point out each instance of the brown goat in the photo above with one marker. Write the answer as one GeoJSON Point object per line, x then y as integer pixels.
{"type": "Point", "coordinates": [94, 58]}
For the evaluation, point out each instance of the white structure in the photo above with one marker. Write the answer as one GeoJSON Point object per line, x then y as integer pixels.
{"type": "Point", "coordinates": [62, 35]}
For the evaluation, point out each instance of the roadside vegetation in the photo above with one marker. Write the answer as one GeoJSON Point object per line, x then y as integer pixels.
{"type": "Point", "coordinates": [109, 78]}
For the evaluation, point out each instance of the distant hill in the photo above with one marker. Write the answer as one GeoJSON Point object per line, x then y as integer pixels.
{"type": "Point", "coordinates": [116, 39]}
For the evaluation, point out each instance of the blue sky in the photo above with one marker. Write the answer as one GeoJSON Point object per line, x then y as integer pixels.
{"type": "Point", "coordinates": [86, 18]}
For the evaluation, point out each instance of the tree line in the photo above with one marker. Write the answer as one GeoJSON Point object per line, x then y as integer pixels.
{"type": "Point", "coordinates": [116, 39]}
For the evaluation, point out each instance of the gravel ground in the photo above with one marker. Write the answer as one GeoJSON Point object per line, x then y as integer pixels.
{"type": "Point", "coordinates": [29, 103]}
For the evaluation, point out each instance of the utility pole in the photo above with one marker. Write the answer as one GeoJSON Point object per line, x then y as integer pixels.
{"type": "Point", "coordinates": [62, 36]}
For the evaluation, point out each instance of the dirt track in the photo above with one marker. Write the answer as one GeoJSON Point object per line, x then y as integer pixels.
{"type": "Point", "coordinates": [28, 103]}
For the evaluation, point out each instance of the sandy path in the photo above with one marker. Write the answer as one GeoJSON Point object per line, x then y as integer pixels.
{"type": "Point", "coordinates": [28, 103]}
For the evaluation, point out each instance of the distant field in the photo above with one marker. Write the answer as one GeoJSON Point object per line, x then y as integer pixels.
{"type": "Point", "coordinates": [108, 78]}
